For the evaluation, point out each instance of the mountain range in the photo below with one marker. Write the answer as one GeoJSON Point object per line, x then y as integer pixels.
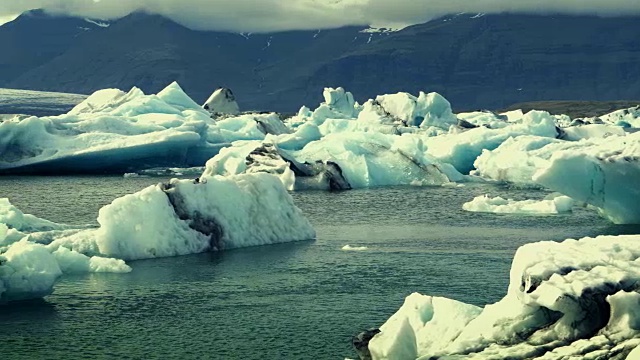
{"type": "Point", "coordinates": [477, 61]}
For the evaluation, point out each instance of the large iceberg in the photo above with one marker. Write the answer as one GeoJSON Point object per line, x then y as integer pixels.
{"type": "Point", "coordinates": [339, 161]}
{"type": "Point", "coordinates": [181, 217]}
{"type": "Point", "coordinates": [187, 217]}
{"type": "Point", "coordinates": [114, 131]}
{"type": "Point", "coordinates": [461, 149]}
{"type": "Point", "coordinates": [605, 176]}
{"type": "Point", "coordinates": [601, 171]}
{"type": "Point", "coordinates": [374, 159]}
{"type": "Point", "coordinates": [572, 300]}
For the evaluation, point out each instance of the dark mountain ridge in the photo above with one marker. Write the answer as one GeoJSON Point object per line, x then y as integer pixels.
{"type": "Point", "coordinates": [488, 61]}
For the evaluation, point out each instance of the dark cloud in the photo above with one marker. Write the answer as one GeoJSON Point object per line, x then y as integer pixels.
{"type": "Point", "coordinates": [273, 15]}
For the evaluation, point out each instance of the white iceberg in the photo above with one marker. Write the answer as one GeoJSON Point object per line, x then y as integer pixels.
{"type": "Point", "coordinates": [499, 205]}
{"type": "Point", "coordinates": [575, 133]}
{"type": "Point", "coordinates": [27, 271]}
{"type": "Point", "coordinates": [373, 159]}
{"type": "Point", "coordinates": [179, 218]}
{"type": "Point", "coordinates": [110, 129]}
{"type": "Point", "coordinates": [625, 117]}
{"type": "Point", "coordinates": [114, 131]}
{"type": "Point", "coordinates": [461, 149]}
{"type": "Point", "coordinates": [187, 217]}
{"type": "Point", "coordinates": [423, 111]}
{"type": "Point", "coordinates": [575, 299]}
{"type": "Point", "coordinates": [603, 175]}
{"type": "Point", "coordinates": [391, 113]}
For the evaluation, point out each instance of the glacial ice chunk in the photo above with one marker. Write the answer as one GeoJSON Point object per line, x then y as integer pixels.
{"type": "Point", "coordinates": [374, 159]}
{"type": "Point", "coordinates": [27, 271]}
{"type": "Point", "coordinates": [575, 299]}
{"type": "Point", "coordinates": [462, 149]}
{"type": "Point", "coordinates": [484, 203]}
{"type": "Point", "coordinates": [186, 217]}
{"type": "Point", "coordinates": [603, 175]}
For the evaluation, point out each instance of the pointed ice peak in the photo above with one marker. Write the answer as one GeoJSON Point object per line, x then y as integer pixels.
{"type": "Point", "coordinates": [222, 101]}
{"type": "Point", "coordinates": [175, 96]}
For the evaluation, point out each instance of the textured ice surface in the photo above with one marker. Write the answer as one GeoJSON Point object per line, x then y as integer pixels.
{"type": "Point", "coordinates": [27, 271]}
{"type": "Point", "coordinates": [604, 175]}
{"type": "Point", "coordinates": [114, 131]}
{"type": "Point", "coordinates": [484, 203]}
{"type": "Point", "coordinates": [187, 217]}
{"type": "Point", "coordinates": [572, 300]}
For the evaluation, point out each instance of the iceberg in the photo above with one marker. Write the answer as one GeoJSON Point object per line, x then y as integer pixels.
{"type": "Point", "coordinates": [183, 217]}
{"type": "Point", "coordinates": [626, 117]}
{"type": "Point", "coordinates": [338, 161]}
{"type": "Point", "coordinates": [498, 205]}
{"type": "Point", "coordinates": [264, 157]}
{"type": "Point", "coordinates": [461, 149]}
{"type": "Point", "coordinates": [574, 299]}
{"type": "Point", "coordinates": [111, 130]}
{"type": "Point", "coordinates": [354, 248]}
{"type": "Point", "coordinates": [117, 132]}
{"type": "Point", "coordinates": [603, 175]}
{"type": "Point", "coordinates": [211, 213]}
{"type": "Point", "coordinates": [423, 111]}
{"type": "Point", "coordinates": [27, 271]}
{"type": "Point", "coordinates": [374, 159]}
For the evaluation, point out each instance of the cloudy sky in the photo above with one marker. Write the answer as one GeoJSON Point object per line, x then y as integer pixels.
{"type": "Point", "coordinates": [272, 15]}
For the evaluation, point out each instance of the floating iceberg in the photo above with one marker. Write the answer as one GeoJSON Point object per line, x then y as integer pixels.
{"type": "Point", "coordinates": [114, 131]}
{"type": "Point", "coordinates": [339, 161]}
{"type": "Point", "coordinates": [484, 203]}
{"type": "Point", "coordinates": [625, 117]}
{"type": "Point", "coordinates": [182, 217]}
{"type": "Point", "coordinates": [187, 217]}
{"type": "Point", "coordinates": [373, 159]}
{"type": "Point", "coordinates": [27, 271]}
{"type": "Point", "coordinates": [518, 158]}
{"type": "Point", "coordinates": [461, 149]}
{"type": "Point", "coordinates": [575, 299]}
{"type": "Point", "coordinates": [604, 175]}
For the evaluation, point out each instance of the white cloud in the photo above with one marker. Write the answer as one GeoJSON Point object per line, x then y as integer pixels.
{"type": "Point", "coordinates": [272, 15]}
{"type": "Point", "coordinates": [6, 18]}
